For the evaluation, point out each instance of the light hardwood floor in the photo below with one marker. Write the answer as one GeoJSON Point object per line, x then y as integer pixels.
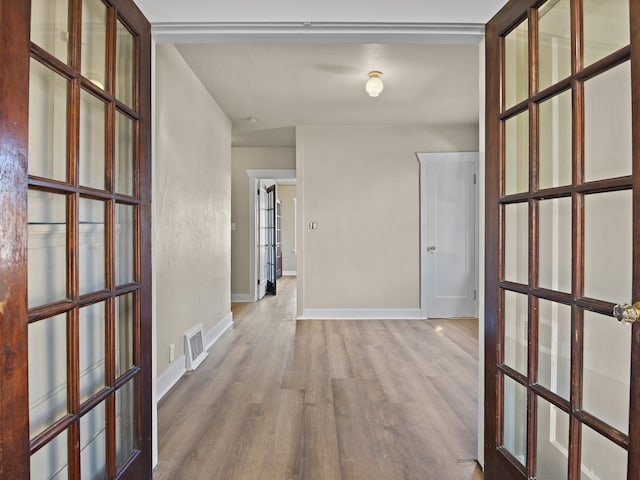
{"type": "Point", "coordinates": [278, 399]}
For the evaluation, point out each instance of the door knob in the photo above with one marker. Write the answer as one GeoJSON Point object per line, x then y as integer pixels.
{"type": "Point", "coordinates": [627, 313]}
{"type": "Point", "coordinates": [431, 248]}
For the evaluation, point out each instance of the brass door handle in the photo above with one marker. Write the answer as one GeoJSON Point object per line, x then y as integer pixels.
{"type": "Point", "coordinates": [627, 313]}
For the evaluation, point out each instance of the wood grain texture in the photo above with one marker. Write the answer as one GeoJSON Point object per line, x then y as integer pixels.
{"type": "Point", "coordinates": [325, 400]}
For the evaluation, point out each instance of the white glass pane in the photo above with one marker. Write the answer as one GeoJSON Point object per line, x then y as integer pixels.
{"type": "Point", "coordinates": [50, 462]}
{"type": "Point", "coordinates": [608, 246]}
{"type": "Point", "coordinates": [601, 459]}
{"type": "Point", "coordinates": [552, 442]}
{"type": "Point", "coordinates": [554, 347]}
{"type": "Point", "coordinates": [554, 42]}
{"type": "Point", "coordinates": [92, 141]}
{"type": "Point", "coordinates": [555, 141]}
{"type": "Point", "coordinates": [92, 348]}
{"type": "Point", "coordinates": [126, 422]}
{"type": "Point", "coordinates": [93, 444]}
{"type": "Point", "coordinates": [94, 41]}
{"type": "Point", "coordinates": [606, 28]}
{"type": "Point", "coordinates": [125, 258]}
{"type": "Point", "coordinates": [516, 333]}
{"type": "Point", "coordinates": [92, 246]}
{"type": "Point", "coordinates": [47, 373]}
{"type": "Point", "coordinates": [125, 316]}
{"type": "Point", "coordinates": [47, 123]}
{"type": "Point", "coordinates": [554, 244]}
{"type": "Point", "coordinates": [49, 26]}
{"type": "Point", "coordinates": [516, 65]}
{"type": "Point", "coordinates": [47, 248]}
{"type": "Point", "coordinates": [516, 168]}
{"type": "Point", "coordinates": [125, 62]}
{"type": "Point", "coordinates": [607, 369]}
{"type": "Point", "coordinates": [607, 124]}
{"type": "Point", "coordinates": [515, 419]}
{"type": "Point", "coordinates": [516, 244]}
{"type": "Point", "coordinates": [124, 154]}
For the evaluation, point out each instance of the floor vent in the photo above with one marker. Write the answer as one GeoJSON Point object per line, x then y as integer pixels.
{"type": "Point", "coordinates": [194, 347]}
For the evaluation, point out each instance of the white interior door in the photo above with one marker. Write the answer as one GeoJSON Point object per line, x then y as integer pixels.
{"type": "Point", "coordinates": [263, 237]}
{"type": "Point", "coordinates": [449, 243]}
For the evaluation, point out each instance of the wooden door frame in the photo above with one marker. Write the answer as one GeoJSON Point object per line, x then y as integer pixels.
{"type": "Point", "coordinates": [15, 56]}
{"type": "Point", "coordinates": [496, 466]}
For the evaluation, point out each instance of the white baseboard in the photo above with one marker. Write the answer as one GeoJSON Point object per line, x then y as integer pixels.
{"type": "Point", "coordinates": [289, 273]}
{"type": "Point", "coordinates": [241, 297]}
{"type": "Point", "coordinates": [216, 332]}
{"type": "Point", "coordinates": [361, 314]}
{"type": "Point", "coordinates": [170, 377]}
{"type": "Point", "coordinates": [177, 369]}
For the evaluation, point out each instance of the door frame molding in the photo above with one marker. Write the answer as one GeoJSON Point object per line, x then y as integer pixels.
{"type": "Point", "coordinates": [254, 178]}
{"type": "Point", "coordinates": [423, 159]}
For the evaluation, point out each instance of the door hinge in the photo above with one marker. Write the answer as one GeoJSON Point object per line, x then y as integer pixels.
{"type": "Point", "coordinates": [258, 281]}
{"type": "Point", "coordinates": [475, 179]}
{"type": "Point", "coordinates": [475, 294]}
{"type": "Point", "coordinates": [258, 191]}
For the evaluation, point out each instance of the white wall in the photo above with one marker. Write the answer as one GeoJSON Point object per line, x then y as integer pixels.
{"type": "Point", "coordinates": [192, 206]}
{"type": "Point", "coordinates": [244, 159]}
{"type": "Point", "coordinates": [287, 194]}
{"type": "Point", "coordinates": [361, 185]}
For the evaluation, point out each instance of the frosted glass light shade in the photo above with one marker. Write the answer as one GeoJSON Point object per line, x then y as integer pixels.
{"type": "Point", "coordinates": [374, 85]}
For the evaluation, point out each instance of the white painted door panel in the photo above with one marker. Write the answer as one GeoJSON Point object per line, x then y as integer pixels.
{"type": "Point", "coordinates": [450, 243]}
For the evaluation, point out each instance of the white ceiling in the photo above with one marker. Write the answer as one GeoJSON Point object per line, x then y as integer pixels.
{"type": "Point", "coordinates": [415, 11]}
{"type": "Point", "coordinates": [321, 81]}
{"type": "Point", "coordinates": [281, 86]}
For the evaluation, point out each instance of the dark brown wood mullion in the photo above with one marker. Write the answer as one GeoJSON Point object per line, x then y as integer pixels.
{"type": "Point", "coordinates": [553, 398]}
{"type": "Point", "coordinates": [552, 295]}
{"type": "Point", "coordinates": [111, 435]}
{"type": "Point", "coordinates": [73, 393]}
{"type": "Point", "coordinates": [604, 64]}
{"type": "Point", "coordinates": [51, 433]}
{"type": "Point", "coordinates": [514, 374]}
{"type": "Point", "coordinates": [603, 428]}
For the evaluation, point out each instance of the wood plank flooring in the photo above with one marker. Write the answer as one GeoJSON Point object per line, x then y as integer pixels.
{"type": "Point", "coordinates": [278, 399]}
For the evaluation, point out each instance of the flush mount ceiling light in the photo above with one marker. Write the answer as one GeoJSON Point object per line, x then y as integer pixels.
{"type": "Point", "coordinates": [374, 85]}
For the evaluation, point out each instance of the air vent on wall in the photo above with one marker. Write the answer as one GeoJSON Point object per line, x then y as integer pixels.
{"type": "Point", "coordinates": [194, 347]}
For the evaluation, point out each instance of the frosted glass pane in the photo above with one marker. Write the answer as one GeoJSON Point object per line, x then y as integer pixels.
{"type": "Point", "coordinates": [554, 347]}
{"type": "Point", "coordinates": [47, 373]}
{"type": "Point", "coordinates": [50, 462]}
{"type": "Point", "coordinates": [93, 444]}
{"type": "Point", "coordinates": [608, 245]}
{"type": "Point", "coordinates": [92, 141]}
{"type": "Point", "coordinates": [554, 42]}
{"type": "Point", "coordinates": [552, 442]}
{"type": "Point", "coordinates": [516, 334]}
{"type": "Point", "coordinates": [607, 124]}
{"type": "Point", "coordinates": [554, 244]}
{"type": "Point", "coordinates": [92, 350]}
{"type": "Point", "coordinates": [516, 168]}
{"type": "Point", "coordinates": [125, 257]}
{"type": "Point", "coordinates": [555, 141]}
{"type": "Point", "coordinates": [607, 369]}
{"type": "Point", "coordinates": [94, 41]}
{"type": "Point", "coordinates": [126, 422]}
{"type": "Point", "coordinates": [125, 317]}
{"type": "Point", "coordinates": [516, 65]}
{"type": "Point", "coordinates": [606, 28]}
{"type": "Point", "coordinates": [124, 155]}
{"type": "Point", "coordinates": [47, 261]}
{"type": "Point", "coordinates": [92, 246]}
{"type": "Point", "coordinates": [601, 459]}
{"type": "Point", "coordinates": [516, 244]}
{"type": "Point", "coordinates": [49, 26]}
{"type": "Point", "coordinates": [514, 436]}
{"type": "Point", "coordinates": [125, 62]}
{"type": "Point", "coordinates": [47, 123]}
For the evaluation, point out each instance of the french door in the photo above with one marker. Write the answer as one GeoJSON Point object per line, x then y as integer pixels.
{"type": "Point", "coordinates": [563, 247]}
{"type": "Point", "coordinates": [75, 207]}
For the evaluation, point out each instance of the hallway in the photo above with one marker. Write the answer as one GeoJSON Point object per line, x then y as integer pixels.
{"type": "Point", "coordinates": [325, 400]}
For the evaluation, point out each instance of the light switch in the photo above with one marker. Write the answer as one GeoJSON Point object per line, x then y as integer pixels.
{"type": "Point", "coordinates": [313, 225]}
